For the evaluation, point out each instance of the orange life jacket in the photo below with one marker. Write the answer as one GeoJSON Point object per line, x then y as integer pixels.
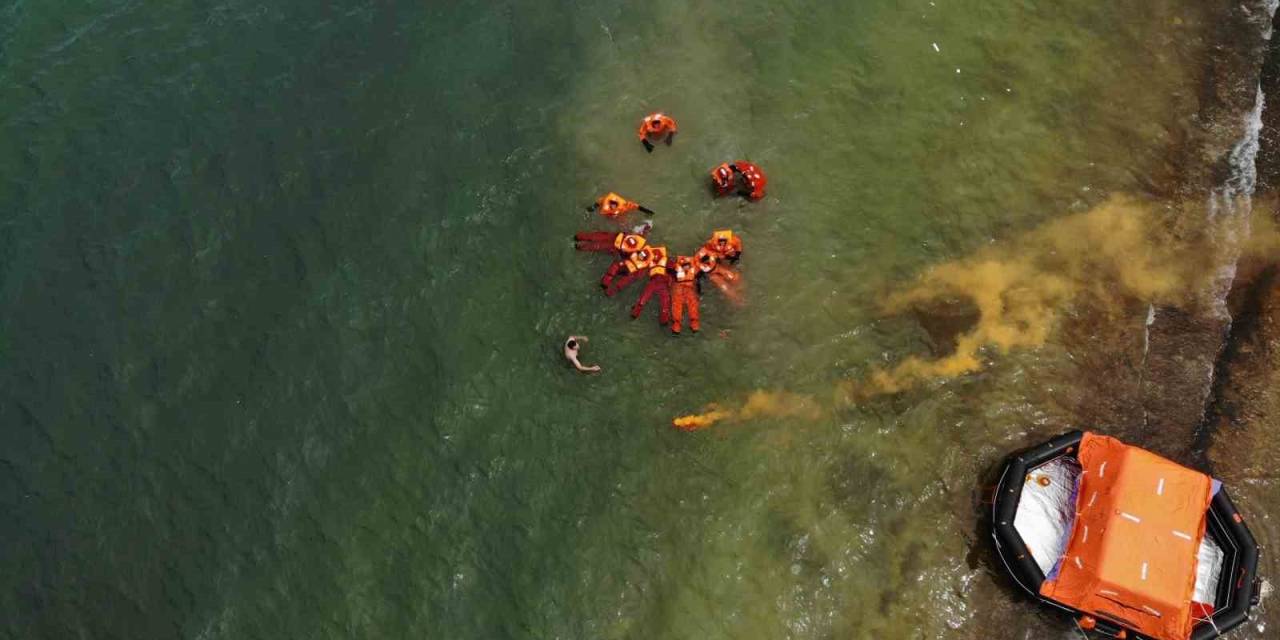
{"type": "Point", "coordinates": [657, 261]}
{"type": "Point", "coordinates": [656, 125]}
{"type": "Point", "coordinates": [724, 244]}
{"type": "Point", "coordinates": [612, 205]}
{"type": "Point", "coordinates": [723, 179]}
{"type": "Point", "coordinates": [638, 261]}
{"type": "Point", "coordinates": [629, 242]}
{"type": "Point", "coordinates": [755, 179]}
{"type": "Point", "coordinates": [685, 269]}
{"type": "Point", "coordinates": [705, 260]}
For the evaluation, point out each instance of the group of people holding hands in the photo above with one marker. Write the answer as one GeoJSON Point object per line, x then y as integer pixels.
{"type": "Point", "coordinates": [675, 279]}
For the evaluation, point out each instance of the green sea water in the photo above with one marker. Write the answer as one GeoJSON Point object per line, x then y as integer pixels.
{"type": "Point", "coordinates": [284, 287]}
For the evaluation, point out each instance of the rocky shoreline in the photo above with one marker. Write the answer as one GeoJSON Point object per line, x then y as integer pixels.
{"type": "Point", "coordinates": [1197, 381]}
{"type": "Point", "coordinates": [1209, 390]}
{"type": "Point", "coordinates": [1240, 435]}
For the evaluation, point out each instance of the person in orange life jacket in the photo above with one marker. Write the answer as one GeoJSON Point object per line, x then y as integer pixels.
{"type": "Point", "coordinates": [725, 245]}
{"type": "Point", "coordinates": [751, 180]}
{"type": "Point", "coordinates": [723, 179]}
{"type": "Point", "coordinates": [656, 126]}
{"type": "Point", "coordinates": [684, 294]}
{"type": "Point", "coordinates": [612, 205]}
{"type": "Point", "coordinates": [727, 280]}
{"type": "Point", "coordinates": [659, 283]}
{"type": "Point", "coordinates": [634, 265]}
{"type": "Point", "coordinates": [741, 176]}
{"type": "Point", "coordinates": [612, 241]}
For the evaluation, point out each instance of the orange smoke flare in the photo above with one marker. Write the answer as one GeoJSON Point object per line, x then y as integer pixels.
{"type": "Point", "coordinates": [759, 404]}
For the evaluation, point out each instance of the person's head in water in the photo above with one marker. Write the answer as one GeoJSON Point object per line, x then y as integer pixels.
{"type": "Point", "coordinates": [571, 354]}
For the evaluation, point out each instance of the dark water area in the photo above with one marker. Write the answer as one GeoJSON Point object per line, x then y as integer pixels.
{"type": "Point", "coordinates": [284, 288]}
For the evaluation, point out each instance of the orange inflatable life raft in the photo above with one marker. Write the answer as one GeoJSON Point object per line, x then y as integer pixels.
{"type": "Point", "coordinates": [1125, 540]}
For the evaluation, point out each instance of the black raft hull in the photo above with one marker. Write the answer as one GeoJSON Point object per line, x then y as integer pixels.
{"type": "Point", "coordinates": [1237, 588]}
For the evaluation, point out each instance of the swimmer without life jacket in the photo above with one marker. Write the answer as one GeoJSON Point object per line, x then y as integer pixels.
{"type": "Point", "coordinates": [724, 244]}
{"type": "Point", "coordinates": [726, 179]}
{"type": "Point", "coordinates": [629, 242]}
{"type": "Point", "coordinates": [656, 126]}
{"type": "Point", "coordinates": [612, 205]}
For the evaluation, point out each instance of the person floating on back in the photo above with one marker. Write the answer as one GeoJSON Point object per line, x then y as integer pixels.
{"type": "Point", "coordinates": [684, 295]}
{"type": "Point", "coordinates": [741, 177]}
{"type": "Point", "coordinates": [656, 126]}
{"type": "Point", "coordinates": [724, 245]}
{"type": "Point", "coordinates": [610, 241]}
{"type": "Point", "coordinates": [614, 206]}
{"type": "Point", "coordinates": [626, 271]}
{"type": "Point", "coordinates": [571, 347]}
{"type": "Point", "coordinates": [724, 277]}
{"type": "Point", "coordinates": [659, 283]}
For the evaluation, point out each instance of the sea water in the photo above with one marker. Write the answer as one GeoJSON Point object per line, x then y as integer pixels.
{"type": "Point", "coordinates": [285, 285]}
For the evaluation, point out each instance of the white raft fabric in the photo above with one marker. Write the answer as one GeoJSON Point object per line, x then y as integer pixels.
{"type": "Point", "coordinates": [1208, 570]}
{"type": "Point", "coordinates": [1047, 511]}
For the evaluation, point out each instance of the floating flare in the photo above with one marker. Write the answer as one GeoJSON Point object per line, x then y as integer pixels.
{"type": "Point", "coordinates": [697, 421]}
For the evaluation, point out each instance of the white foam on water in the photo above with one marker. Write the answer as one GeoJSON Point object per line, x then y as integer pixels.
{"type": "Point", "coordinates": [1229, 207]}
{"type": "Point", "coordinates": [1233, 200]}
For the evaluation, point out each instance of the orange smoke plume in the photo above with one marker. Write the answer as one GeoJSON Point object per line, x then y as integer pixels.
{"type": "Point", "coordinates": [1116, 251]}
{"type": "Point", "coordinates": [760, 404]}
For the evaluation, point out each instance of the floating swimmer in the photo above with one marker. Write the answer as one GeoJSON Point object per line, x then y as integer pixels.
{"type": "Point", "coordinates": [740, 177]}
{"type": "Point", "coordinates": [659, 283]}
{"type": "Point", "coordinates": [724, 245]}
{"type": "Point", "coordinates": [684, 295]}
{"type": "Point", "coordinates": [656, 126]}
{"type": "Point", "coordinates": [571, 347]}
{"type": "Point", "coordinates": [610, 241]}
{"type": "Point", "coordinates": [612, 205]}
{"type": "Point", "coordinates": [724, 277]}
{"type": "Point", "coordinates": [635, 265]}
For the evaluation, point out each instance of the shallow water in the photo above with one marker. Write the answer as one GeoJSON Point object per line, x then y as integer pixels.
{"type": "Point", "coordinates": [285, 286]}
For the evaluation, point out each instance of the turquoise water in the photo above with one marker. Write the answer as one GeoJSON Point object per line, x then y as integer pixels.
{"type": "Point", "coordinates": [285, 286]}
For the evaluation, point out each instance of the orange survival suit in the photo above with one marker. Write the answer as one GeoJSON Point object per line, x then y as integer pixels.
{"type": "Point", "coordinates": [659, 283]}
{"type": "Point", "coordinates": [609, 241]}
{"type": "Point", "coordinates": [726, 279]}
{"type": "Point", "coordinates": [741, 176]}
{"type": "Point", "coordinates": [684, 294]}
{"type": "Point", "coordinates": [612, 205]}
{"type": "Point", "coordinates": [634, 265]}
{"type": "Point", "coordinates": [724, 244]}
{"type": "Point", "coordinates": [656, 126]}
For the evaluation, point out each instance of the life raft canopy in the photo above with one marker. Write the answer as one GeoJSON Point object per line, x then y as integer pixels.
{"type": "Point", "coordinates": [1124, 538]}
